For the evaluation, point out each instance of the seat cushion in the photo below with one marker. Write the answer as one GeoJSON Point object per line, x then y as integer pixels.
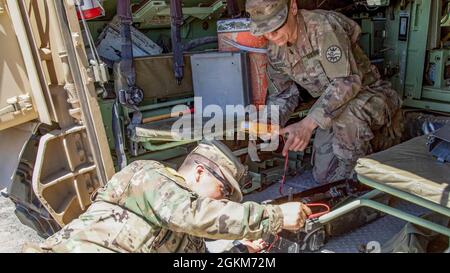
{"type": "Point", "coordinates": [411, 168]}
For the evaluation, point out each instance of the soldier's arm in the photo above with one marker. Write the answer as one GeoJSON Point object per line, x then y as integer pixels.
{"type": "Point", "coordinates": [179, 210]}
{"type": "Point", "coordinates": [335, 48]}
{"type": "Point", "coordinates": [334, 100]}
{"type": "Point", "coordinates": [282, 92]}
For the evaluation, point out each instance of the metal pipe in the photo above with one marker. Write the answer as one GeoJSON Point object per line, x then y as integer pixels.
{"type": "Point", "coordinates": [199, 42]}
{"type": "Point", "coordinates": [245, 48]}
{"type": "Point", "coordinates": [386, 209]}
{"type": "Point", "coordinates": [406, 196]}
{"type": "Point", "coordinates": [372, 194]}
{"type": "Point", "coordinates": [118, 137]}
{"type": "Point", "coordinates": [165, 116]}
{"type": "Point", "coordinates": [165, 104]}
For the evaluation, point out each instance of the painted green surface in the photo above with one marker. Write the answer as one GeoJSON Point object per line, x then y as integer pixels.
{"type": "Point", "coordinates": [106, 108]}
{"type": "Point", "coordinates": [409, 58]}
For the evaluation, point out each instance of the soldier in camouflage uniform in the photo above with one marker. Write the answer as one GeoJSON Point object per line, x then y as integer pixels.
{"type": "Point", "coordinates": [356, 112]}
{"type": "Point", "coordinates": [148, 207]}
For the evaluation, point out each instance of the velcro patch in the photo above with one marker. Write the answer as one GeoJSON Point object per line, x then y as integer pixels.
{"type": "Point", "coordinates": [333, 54]}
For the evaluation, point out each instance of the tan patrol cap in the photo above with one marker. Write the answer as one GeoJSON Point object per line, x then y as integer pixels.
{"type": "Point", "coordinates": [219, 154]}
{"type": "Point", "coordinates": [266, 15]}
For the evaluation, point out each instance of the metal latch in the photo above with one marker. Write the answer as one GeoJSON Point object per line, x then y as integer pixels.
{"type": "Point", "coordinates": [99, 71]}
{"type": "Point", "coordinates": [17, 105]}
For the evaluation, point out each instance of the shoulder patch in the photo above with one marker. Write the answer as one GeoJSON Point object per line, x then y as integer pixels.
{"type": "Point", "coordinates": [333, 54]}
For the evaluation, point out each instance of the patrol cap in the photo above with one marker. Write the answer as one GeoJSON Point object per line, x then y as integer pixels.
{"type": "Point", "coordinates": [232, 169]}
{"type": "Point", "coordinates": [267, 15]}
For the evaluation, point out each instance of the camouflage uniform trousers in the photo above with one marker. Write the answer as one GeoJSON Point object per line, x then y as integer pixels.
{"type": "Point", "coordinates": [371, 122]}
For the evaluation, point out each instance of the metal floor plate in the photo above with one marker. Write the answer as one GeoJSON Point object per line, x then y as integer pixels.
{"type": "Point", "coordinates": [381, 230]}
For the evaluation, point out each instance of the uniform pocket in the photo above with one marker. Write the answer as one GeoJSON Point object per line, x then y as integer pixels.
{"type": "Point", "coordinates": [279, 65]}
{"type": "Point", "coordinates": [194, 245]}
{"type": "Point", "coordinates": [134, 234]}
{"type": "Point", "coordinates": [369, 106]}
{"type": "Point", "coordinates": [312, 75]}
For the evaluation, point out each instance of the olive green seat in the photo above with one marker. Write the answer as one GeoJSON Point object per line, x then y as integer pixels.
{"type": "Point", "coordinates": [408, 172]}
{"type": "Point", "coordinates": [169, 133]}
{"type": "Point", "coordinates": [409, 167]}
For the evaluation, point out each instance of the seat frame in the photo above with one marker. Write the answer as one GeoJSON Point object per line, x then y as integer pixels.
{"type": "Point", "coordinates": [380, 189]}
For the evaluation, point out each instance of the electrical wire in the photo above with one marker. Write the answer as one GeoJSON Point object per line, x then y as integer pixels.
{"type": "Point", "coordinates": [286, 165]}
{"type": "Point", "coordinates": [277, 237]}
{"type": "Point", "coordinates": [94, 51]}
{"type": "Point", "coordinates": [310, 217]}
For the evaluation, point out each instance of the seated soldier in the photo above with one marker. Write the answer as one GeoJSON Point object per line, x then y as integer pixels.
{"type": "Point", "coordinates": [148, 207]}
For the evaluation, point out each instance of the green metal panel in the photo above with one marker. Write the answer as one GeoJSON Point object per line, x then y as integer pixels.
{"type": "Point", "coordinates": [417, 48]}
{"type": "Point", "coordinates": [395, 55]}
{"type": "Point", "coordinates": [165, 104]}
{"type": "Point", "coordinates": [157, 109]}
{"type": "Point", "coordinates": [408, 58]}
{"type": "Point", "coordinates": [427, 104]}
{"type": "Point", "coordinates": [163, 155]}
{"type": "Point", "coordinates": [367, 32]}
{"type": "Point", "coordinates": [436, 94]}
{"type": "Point", "coordinates": [192, 29]}
{"type": "Point", "coordinates": [152, 147]}
{"type": "Point", "coordinates": [96, 28]}
{"type": "Point", "coordinates": [439, 59]}
{"type": "Point", "coordinates": [106, 108]}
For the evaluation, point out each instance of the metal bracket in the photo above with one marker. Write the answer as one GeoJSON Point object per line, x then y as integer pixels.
{"type": "Point", "coordinates": [310, 239]}
{"type": "Point", "coordinates": [131, 96]}
{"type": "Point", "coordinates": [100, 71]}
{"type": "Point", "coordinates": [17, 105]}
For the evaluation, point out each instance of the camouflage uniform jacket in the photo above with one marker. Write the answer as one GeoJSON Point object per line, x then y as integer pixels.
{"type": "Point", "coordinates": [147, 207]}
{"type": "Point", "coordinates": [325, 60]}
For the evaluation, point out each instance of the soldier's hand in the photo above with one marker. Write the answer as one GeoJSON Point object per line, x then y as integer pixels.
{"type": "Point", "coordinates": [294, 215]}
{"type": "Point", "coordinates": [254, 246]}
{"type": "Point", "coordinates": [299, 135]}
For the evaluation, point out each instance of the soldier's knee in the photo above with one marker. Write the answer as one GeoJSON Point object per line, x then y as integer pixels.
{"type": "Point", "coordinates": [323, 166]}
{"type": "Point", "coordinates": [336, 170]}
{"type": "Point", "coordinates": [320, 176]}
